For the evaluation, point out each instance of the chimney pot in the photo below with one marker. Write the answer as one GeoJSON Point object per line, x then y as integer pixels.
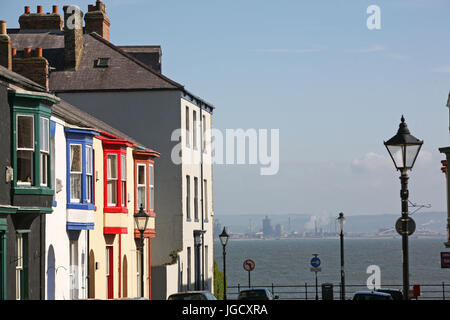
{"type": "Point", "coordinates": [55, 9]}
{"type": "Point", "coordinates": [27, 52]}
{"type": "Point", "coordinates": [14, 52]}
{"type": "Point", "coordinates": [27, 10]}
{"type": "Point", "coordinates": [91, 8]}
{"type": "Point", "coordinates": [39, 9]}
{"type": "Point", "coordinates": [38, 52]}
{"type": "Point", "coordinates": [2, 27]}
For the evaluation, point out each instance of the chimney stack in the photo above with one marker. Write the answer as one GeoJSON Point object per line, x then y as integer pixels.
{"type": "Point", "coordinates": [73, 37]}
{"type": "Point", "coordinates": [34, 68]}
{"type": "Point", "coordinates": [5, 47]}
{"type": "Point", "coordinates": [97, 21]}
{"type": "Point", "coordinates": [40, 20]}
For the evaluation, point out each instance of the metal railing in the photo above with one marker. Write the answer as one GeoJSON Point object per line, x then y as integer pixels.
{"type": "Point", "coordinates": [308, 291]}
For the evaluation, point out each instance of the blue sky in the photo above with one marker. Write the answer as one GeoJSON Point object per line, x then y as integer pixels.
{"type": "Point", "coordinates": [313, 70]}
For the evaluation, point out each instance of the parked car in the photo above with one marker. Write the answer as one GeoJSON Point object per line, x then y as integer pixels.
{"type": "Point", "coordinates": [371, 295]}
{"type": "Point", "coordinates": [192, 295]}
{"type": "Point", "coordinates": [256, 294]}
{"type": "Point", "coordinates": [395, 293]}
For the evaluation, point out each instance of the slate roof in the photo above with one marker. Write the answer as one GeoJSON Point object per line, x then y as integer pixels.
{"type": "Point", "coordinates": [15, 78]}
{"type": "Point", "coordinates": [74, 116]}
{"type": "Point", "coordinates": [64, 110]}
{"type": "Point", "coordinates": [125, 72]}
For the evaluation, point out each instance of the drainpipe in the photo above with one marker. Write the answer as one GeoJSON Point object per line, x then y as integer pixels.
{"type": "Point", "coordinates": [202, 200]}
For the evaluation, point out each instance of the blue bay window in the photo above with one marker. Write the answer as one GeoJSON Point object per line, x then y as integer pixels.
{"type": "Point", "coordinates": [80, 168]}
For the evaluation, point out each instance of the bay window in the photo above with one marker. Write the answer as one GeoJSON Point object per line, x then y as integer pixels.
{"type": "Point", "coordinates": [75, 173]}
{"type": "Point", "coordinates": [141, 186]}
{"type": "Point", "coordinates": [112, 174]}
{"type": "Point", "coordinates": [144, 181]}
{"type": "Point", "coordinates": [45, 149]}
{"type": "Point", "coordinates": [115, 167]}
{"type": "Point", "coordinates": [25, 149]}
{"type": "Point", "coordinates": [80, 168]}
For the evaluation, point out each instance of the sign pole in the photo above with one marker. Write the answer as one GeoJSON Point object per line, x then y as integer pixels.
{"type": "Point", "coordinates": [249, 279]}
{"type": "Point", "coordinates": [317, 294]}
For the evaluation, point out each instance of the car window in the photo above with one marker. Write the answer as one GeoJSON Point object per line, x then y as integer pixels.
{"type": "Point", "coordinates": [253, 294]}
{"type": "Point", "coordinates": [188, 296]}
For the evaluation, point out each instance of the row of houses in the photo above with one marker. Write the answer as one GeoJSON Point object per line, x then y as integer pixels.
{"type": "Point", "coordinates": [89, 138]}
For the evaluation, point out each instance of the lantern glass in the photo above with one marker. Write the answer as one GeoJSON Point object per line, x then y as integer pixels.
{"type": "Point", "coordinates": [224, 237]}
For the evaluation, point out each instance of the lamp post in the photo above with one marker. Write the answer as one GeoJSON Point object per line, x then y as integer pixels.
{"type": "Point", "coordinates": [341, 220]}
{"type": "Point", "coordinates": [224, 240]}
{"type": "Point", "coordinates": [141, 219]}
{"type": "Point", "coordinates": [403, 149]}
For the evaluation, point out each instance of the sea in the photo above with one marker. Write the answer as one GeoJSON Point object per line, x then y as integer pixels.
{"type": "Point", "coordinates": [286, 262]}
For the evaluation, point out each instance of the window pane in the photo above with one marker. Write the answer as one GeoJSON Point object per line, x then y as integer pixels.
{"type": "Point", "coordinates": [75, 158]}
{"type": "Point", "coordinates": [24, 166]}
{"type": "Point", "coordinates": [112, 166]}
{"type": "Point", "coordinates": [44, 134]}
{"type": "Point", "coordinates": [112, 192]}
{"type": "Point", "coordinates": [141, 197]}
{"type": "Point", "coordinates": [44, 168]}
{"type": "Point", "coordinates": [75, 187]}
{"type": "Point", "coordinates": [88, 160]}
{"type": "Point", "coordinates": [25, 132]}
{"type": "Point", "coordinates": [150, 175]}
{"type": "Point", "coordinates": [89, 188]}
{"type": "Point", "coordinates": [151, 206]}
{"type": "Point", "coordinates": [141, 175]}
{"type": "Point", "coordinates": [194, 127]}
{"type": "Point", "coordinates": [123, 165]}
{"type": "Point", "coordinates": [187, 127]}
{"type": "Point", "coordinates": [124, 195]}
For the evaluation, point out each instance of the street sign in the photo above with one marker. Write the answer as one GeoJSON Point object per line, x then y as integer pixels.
{"type": "Point", "coordinates": [315, 262]}
{"type": "Point", "coordinates": [445, 259]}
{"type": "Point", "coordinates": [410, 226]}
{"type": "Point", "coordinates": [249, 265]}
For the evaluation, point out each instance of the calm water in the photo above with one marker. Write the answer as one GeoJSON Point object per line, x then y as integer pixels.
{"type": "Point", "coordinates": [287, 262]}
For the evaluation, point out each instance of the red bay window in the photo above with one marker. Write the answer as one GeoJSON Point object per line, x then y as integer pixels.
{"type": "Point", "coordinates": [115, 166]}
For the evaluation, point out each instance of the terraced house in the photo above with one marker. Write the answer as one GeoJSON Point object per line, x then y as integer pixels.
{"type": "Point", "coordinates": [124, 86]}
{"type": "Point", "coordinates": [73, 185]}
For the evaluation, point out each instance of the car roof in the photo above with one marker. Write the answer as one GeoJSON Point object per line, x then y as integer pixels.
{"type": "Point", "coordinates": [254, 289]}
{"type": "Point", "coordinates": [372, 293]}
{"type": "Point", "coordinates": [389, 289]}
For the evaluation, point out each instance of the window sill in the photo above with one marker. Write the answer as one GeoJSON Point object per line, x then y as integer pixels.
{"type": "Point", "coordinates": [30, 190]}
{"type": "Point", "coordinates": [81, 206]}
{"type": "Point", "coordinates": [188, 219]}
{"type": "Point", "coordinates": [115, 209]}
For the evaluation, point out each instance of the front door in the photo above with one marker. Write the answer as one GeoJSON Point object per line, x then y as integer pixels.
{"type": "Point", "coordinates": [110, 272]}
{"type": "Point", "coordinates": [91, 283]}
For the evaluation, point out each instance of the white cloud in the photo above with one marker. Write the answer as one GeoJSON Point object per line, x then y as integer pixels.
{"type": "Point", "coordinates": [441, 69]}
{"type": "Point", "coordinates": [371, 161]}
{"type": "Point", "coordinates": [373, 48]}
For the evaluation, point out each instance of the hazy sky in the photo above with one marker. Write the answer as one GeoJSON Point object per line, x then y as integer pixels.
{"type": "Point", "coordinates": [313, 70]}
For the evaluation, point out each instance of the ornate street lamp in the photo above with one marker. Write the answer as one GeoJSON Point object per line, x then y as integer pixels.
{"type": "Point", "coordinates": [224, 240]}
{"type": "Point", "coordinates": [403, 149]}
{"type": "Point", "coordinates": [341, 220]}
{"type": "Point", "coordinates": [141, 219]}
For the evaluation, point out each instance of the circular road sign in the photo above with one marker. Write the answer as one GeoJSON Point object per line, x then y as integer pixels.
{"type": "Point", "coordinates": [249, 265]}
{"type": "Point", "coordinates": [315, 262]}
{"type": "Point", "coordinates": [410, 226]}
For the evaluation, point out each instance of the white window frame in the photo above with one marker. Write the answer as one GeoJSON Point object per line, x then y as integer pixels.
{"type": "Point", "coordinates": [194, 130]}
{"type": "Point", "coordinates": [123, 178]}
{"type": "Point", "coordinates": [78, 173]}
{"type": "Point", "coordinates": [151, 187]}
{"type": "Point", "coordinates": [44, 154]}
{"type": "Point", "coordinates": [25, 149]}
{"type": "Point", "coordinates": [187, 131]}
{"type": "Point", "coordinates": [141, 186]}
{"type": "Point", "coordinates": [89, 174]}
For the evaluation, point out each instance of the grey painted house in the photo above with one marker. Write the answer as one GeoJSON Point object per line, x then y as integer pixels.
{"type": "Point", "coordinates": [123, 86]}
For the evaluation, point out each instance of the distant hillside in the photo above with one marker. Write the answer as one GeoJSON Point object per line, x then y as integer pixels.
{"type": "Point", "coordinates": [432, 221]}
